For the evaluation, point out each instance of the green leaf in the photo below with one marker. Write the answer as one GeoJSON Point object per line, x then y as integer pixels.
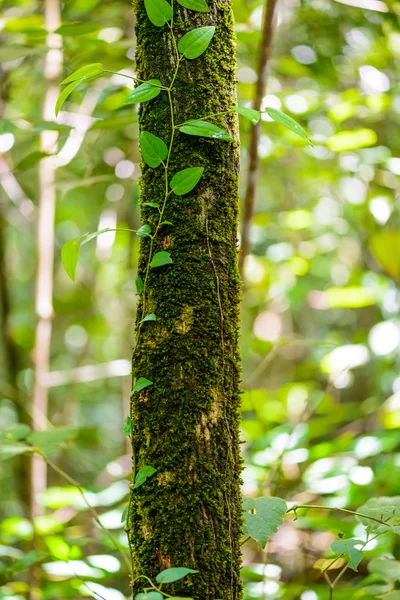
{"type": "Point", "coordinates": [69, 257]}
{"type": "Point", "coordinates": [173, 574]}
{"type": "Point", "coordinates": [158, 11]}
{"type": "Point", "coordinates": [288, 122]}
{"type": "Point", "coordinates": [47, 440]}
{"type": "Point", "coordinates": [154, 150]}
{"type": "Point", "coordinates": [150, 317]}
{"type": "Point", "coordinates": [139, 284]}
{"type": "Point", "coordinates": [77, 28]}
{"type": "Point", "coordinates": [30, 160]}
{"type": "Point", "coordinates": [160, 259]}
{"type": "Point", "coordinates": [384, 508]}
{"type": "Point", "coordinates": [149, 596]}
{"type": "Point", "coordinates": [64, 95]}
{"type": "Point", "coordinates": [143, 92]}
{"type": "Point", "coordinates": [265, 517]}
{"type": "Point", "coordinates": [347, 547]}
{"type": "Point", "coordinates": [385, 246]}
{"type": "Point", "coordinates": [19, 431]}
{"type": "Point", "coordinates": [249, 113]}
{"type": "Point", "coordinates": [195, 42]}
{"type": "Point", "coordinates": [125, 513]}
{"type": "Point", "coordinates": [141, 383]}
{"type": "Point", "coordinates": [127, 426]}
{"type": "Point", "coordinates": [90, 236]}
{"type": "Point", "coordinates": [205, 129]}
{"type": "Point", "coordinates": [152, 204]}
{"type": "Point", "coordinates": [385, 568]}
{"type": "Point", "coordinates": [143, 474]}
{"type": "Point", "coordinates": [29, 559]}
{"type": "Point", "coordinates": [184, 181]}
{"type": "Point", "coordinates": [84, 73]}
{"type": "Point", "coordinates": [144, 230]}
{"type": "Point", "coordinates": [197, 5]}
{"type": "Point", "coordinates": [10, 448]}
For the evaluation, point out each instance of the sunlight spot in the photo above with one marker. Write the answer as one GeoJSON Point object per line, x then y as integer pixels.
{"type": "Point", "coordinates": [304, 54]}
{"type": "Point", "coordinates": [361, 475]}
{"type": "Point", "coordinates": [367, 446]}
{"type": "Point", "coordinates": [384, 338]}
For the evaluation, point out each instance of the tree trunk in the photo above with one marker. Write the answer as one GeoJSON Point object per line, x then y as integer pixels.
{"type": "Point", "coordinates": [186, 423]}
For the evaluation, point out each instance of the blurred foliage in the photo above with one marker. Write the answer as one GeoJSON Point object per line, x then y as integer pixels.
{"type": "Point", "coordinates": [320, 315]}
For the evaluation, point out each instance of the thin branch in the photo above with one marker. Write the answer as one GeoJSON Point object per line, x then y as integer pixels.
{"type": "Point", "coordinates": [335, 508]}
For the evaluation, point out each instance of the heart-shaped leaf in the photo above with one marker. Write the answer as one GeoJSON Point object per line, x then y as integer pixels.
{"type": "Point", "coordinates": [263, 517]}
{"type": "Point", "coordinates": [184, 181]}
{"type": "Point", "coordinates": [160, 259]}
{"type": "Point", "coordinates": [347, 547]}
{"type": "Point", "coordinates": [158, 11]}
{"type": "Point", "coordinates": [205, 129]}
{"type": "Point", "coordinates": [143, 92]}
{"type": "Point", "coordinates": [173, 574]}
{"type": "Point", "coordinates": [144, 230]}
{"type": "Point", "coordinates": [141, 383]}
{"type": "Point", "coordinates": [195, 42]}
{"type": "Point", "coordinates": [154, 150]}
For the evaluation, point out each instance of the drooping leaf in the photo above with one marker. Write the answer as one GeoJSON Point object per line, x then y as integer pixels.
{"type": "Point", "coordinates": [90, 236]}
{"type": "Point", "coordinates": [158, 11]}
{"type": "Point", "coordinates": [173, 574]}
{"type": "Point", "coordinates": [263, 517]}
{"type": "Point", "coordinates": [150, 317]}
{"type": "Point", "coordinates": [154, 150]}
{"type": "Point", "coordinates": [197, 5]}
{"type": "Point", "coordinates": [49, 439]}
{"type": "Point", "coordinates": [19, 431]}
{"type": "Point", "coordinates": [143, 474]}
{"type": "Point", "coordinates": [160, 259]}
{"type": "Point", "coordinates": [184, 181]}
{"type": "Point", "coordinates": [10, 448]}
{"type": "Point", "coordinates": [385, 246]}
{"type": "Point", "coordinates": [125, 513]}
{"type": "Point", "coordinates": [143, 92]}
{"type": "Point", "coordinates": [64, 95]}
{"type": "Point", "coordinates": [348, 547]}
{"type": "Point", "coordinates": [69, 257]}
{"type": "Point", "coordinates": [84, 73]}
{"type": "Point", "coordinates": [144, 230]}
{"type": "Point", "coordinates": [139, 284]}
{"type": "Point", "coordinates": [195, 42]}
{"type": "Point", "coordinates": [127, 425]}
{"type": "Point", "coordinates": [249, 113]}
{"type": "Point", "coordinates": [141, 383]}
{"type": "Point", "coordinates": [205, 129]}
{"type": "Point", "coordinates": [289, 123]}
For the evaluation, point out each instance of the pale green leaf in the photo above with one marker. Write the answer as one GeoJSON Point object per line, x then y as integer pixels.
{"type": "Point", "coordinates": [143, 92]}
{"type": "Point", "coordinates": [184, 181]}
{"type": "Point", "coordinates": [158, 11]}
{"type": "Point", "coordinates": [195, 42]}
{"type": "Point", "coordinates": [152, 204]}
{"type": "Point", "coordinates": [19, 431]}
{"type": "Point", "coordinates": [127, 425]}
{"type": "Point", "coordinates": [10, 448]}
{"type": "Point", "coordinates": [150, 317]}
{"type": "Point", "coordinates": [205, 129]}
{"type": "Point", "coordinates": [263, 517]}
{"type": "Point", "coordinates": [44, 440]}
{"type": "Point", "coordinates": [144, 230]}
{"type": "Point", "coordinates": [91, 236]}
{"type": "Point", "coordinates": [124, 515]}
{"type": "Point", "coordinates": [154, 150]}
{"type": "Point", "coordinates": [249, 113]}
{"type": "Point", "coordinates": [84, 73]}
{"type": "Point", "coordinates": [69, 257]}
{"type": "Point", "coordinates": [348, 547]}
{"type": "Point", "coordinates": [197, 5]}
{"type": "Point", "coordinates": [160, 259]}
{"type": "Point", "coordinates": [143, 474]}
{"type": "Point", "coordinates": [289, 123]}
{"type": "Point", "coordinates": [77, 28]}
{"type": "Point", "coordinates": [385, 568]}
{"type": "Point", "coordinates": [140, 384]}
{"type": "Point", "coordinates": [64, 95]}
{"type": "Point", "coordinates": [173, 574]}
{"type": "Point", "coordinates": [149, 596]}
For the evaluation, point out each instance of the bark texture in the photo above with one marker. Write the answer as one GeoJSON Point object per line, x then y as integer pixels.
{"type": "Point", "coordinates": [186, 424]}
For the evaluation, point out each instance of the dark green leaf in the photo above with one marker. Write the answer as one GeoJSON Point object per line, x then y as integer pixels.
{"type": "Point", "coordinates": [158, 11]}
{"type": "Point", "coordinates": [160, 259]}
{"type": "Point", "coordinates": [143, 92]}
{"type": "Point", "coordinates": [141, 383]}
{"type": "Point", "coordinates": [143, 474]}
{"type": "Point", "coordinates": [154, 150]}
{"type": "Point", "coordinates": [85, 72]}
{"type": "Point", "coordinates": [347, 547]}
{"type": "Point", "coordinates": [249, 113]}
{"type": "Point", "coordinates": [69, 256]}
{"type": "Point", "coordinates": [127, 426]}
{"type": "Point", "coordinates": [184, 181]}
{"type": "Point", "coordinates": [263, 517]}
{"type": "Point", "coordinates": [288, 122]}
{"type": "Point", "coordinates": [144, 231]}
{"type": "Point", "coordinates": [64, 95]}
{"type": "Point", "coordinates": [139, 284]}
{"type": "Point", "coordinates": [205, 129]}
{"type": "Point", "coordinates": [195, 42]}
{"type": "Point", "coordinates": [197, 5]}
{"type": "Point", "coordinates": [173, 574]}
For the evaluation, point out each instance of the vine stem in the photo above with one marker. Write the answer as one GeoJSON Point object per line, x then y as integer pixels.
{"type": "Point", "coordinates": [90, 507]}
{"type": "Point", "coordinates": [335, 508]}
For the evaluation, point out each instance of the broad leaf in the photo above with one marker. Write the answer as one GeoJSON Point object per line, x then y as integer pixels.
{"type": "Point", "coordinates": [49, 439]}
{"type": "Point", "coordinates": [141, 383]}
{"type": "Point", "coordinates": [19, 431]}
{"type": "Point", "coordinates": [150, 317]}
{"type": "Point", "coordinates": [385, 246]}
{"type": "Point", "coordinates": [385, 568]}
{"type": "Point", "coordinates": [197, 5]}
{"type": "Point", "coordinates": [124, 515]}
{"type": "Point", "coordinates": [160, 259]}
{"type": "Point", "coordinates": [31, 160]}
{"type": "Point", "coordinates": [173, 574]}
{"type": "Point", "coordinates": [184, 181]}
{"type": "Point", "coordinates": [144, 230]}
{"type": "Point", "coordinates": [289, 123]}
{"type": "Point", "coordinates": [195, 42]}
{"type": "Point", "coordinates": [69, 257]}
{"type": "Point", "coordinates": [149, 596]}
{"type": "Point", "coordinates": [139, 284]}
{"type": "Point", "coordinates": [249, 113]}
{"type": "Point", "coordinates": [143, 92]}
{"type": "Point", "coordinates": [64, 95]}
{"type": "Point", "coordinates": [205, 129]}
{"type": "Point", "coordinates": [84, 73]}
{"type": "Point", "coordinates": [127, 426]}
{"type": "Point", "coordinates": [265, 517]}
{"type": "Point", "coordinates": [154, 150]}
{"type": "Point", "coordinates": [143, 474]}
{"type": "Point", "coordinates": [384, 509]}
{"type": "Point", "coordinates": [10, 448]}
{"type": "Point", "coordinates": [158, 11]}
{"type": "Point", "coordinates": [347, 547]}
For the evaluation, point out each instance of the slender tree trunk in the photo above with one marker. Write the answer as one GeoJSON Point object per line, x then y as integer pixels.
{"type": "Point", "coordinates": [186, 424]}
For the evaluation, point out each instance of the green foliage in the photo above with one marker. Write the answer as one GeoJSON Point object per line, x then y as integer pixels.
{"type": "Point", "coordinates": [348, 547]}
{"type": "Point", "coordinates": [173, 574]}
{"type": "Point", "coordinates": [184, 181]}
{"type": "Point", "coordinates": [205, 129]}
{"type": "Point", "coordinates": [160, 259]}
{"type": "Point", "coordinates": [153, 149]}
{"type": "Point", "coordinates": [263, 517]}
{"type": "Point", "coordinates": [127, 426]}
{"type": "Point", "coordinates": [288, 122]}
{"type": "Point", "coordinates": [143, 92]}
{"type": "Point", "coordinates": [249, 113]}
{"type": "Point", "coordinates": [141, 383]}
{"type": "Point", "coordinates": [197, 5]}
{"type": "Point", "coordinates": [194, 43]}
{"type": "Point", "coordinates": [158, 11]}
{"type": "Point", "coordinates": [143, 474]}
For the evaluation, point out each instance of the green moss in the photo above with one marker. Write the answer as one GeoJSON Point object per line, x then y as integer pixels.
{"type": "Point", "coordinates": [186, 424]}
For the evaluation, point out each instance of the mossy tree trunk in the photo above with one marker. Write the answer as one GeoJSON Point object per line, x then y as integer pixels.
{"type": "Point", "coordinates": [186, 424]}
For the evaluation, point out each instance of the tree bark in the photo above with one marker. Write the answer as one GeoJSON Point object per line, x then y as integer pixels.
{"type": "Point", "coordinates": [186, 424]}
